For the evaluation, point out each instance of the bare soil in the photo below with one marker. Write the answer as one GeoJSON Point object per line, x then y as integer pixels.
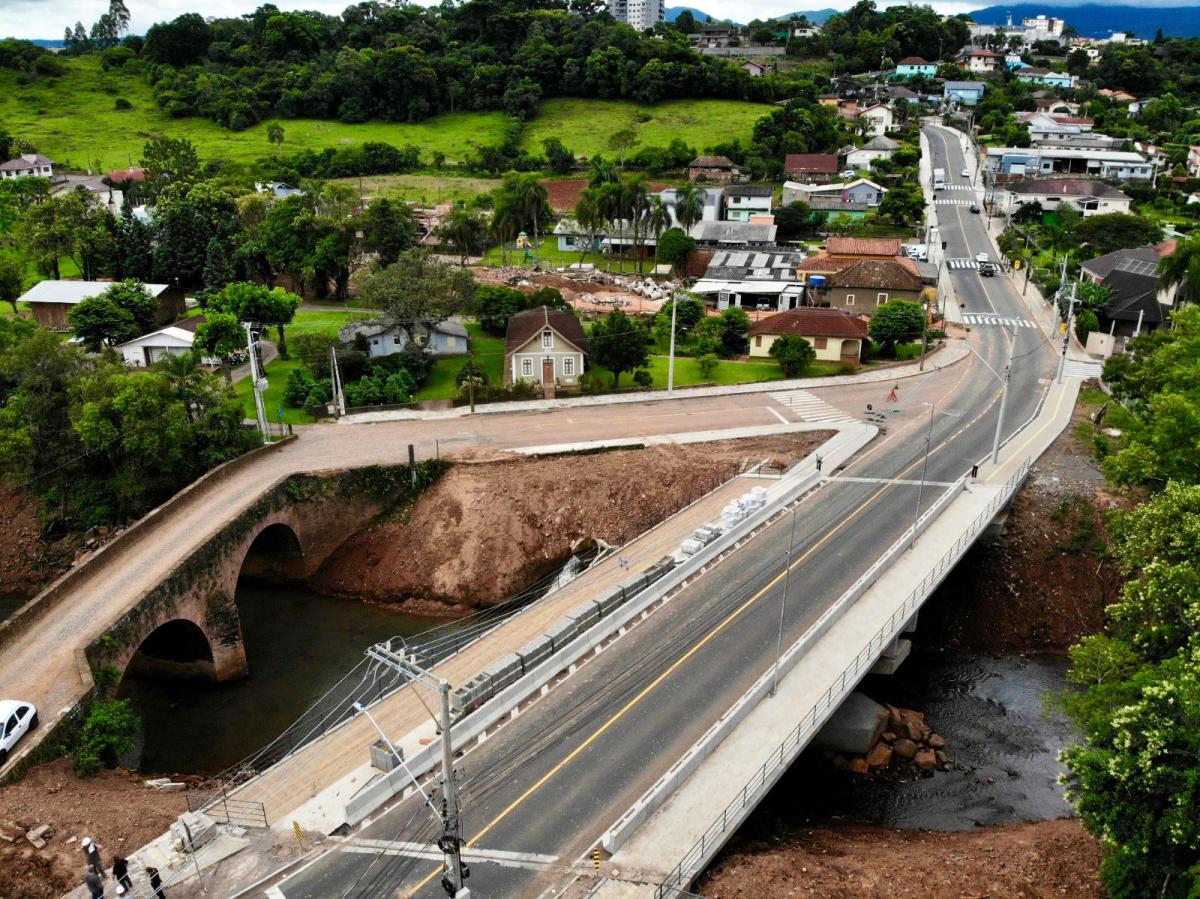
{"type": "Point", "coordinates": [1044, 583]}
{"type": "Point", "coordinates": [114, 808]}
{"type": "Point", "coordinates": [1047, 858]}
{"type": "Point", "coordinates": [27, 562]}
{"type": "Point", "coordinates": [486, 531]}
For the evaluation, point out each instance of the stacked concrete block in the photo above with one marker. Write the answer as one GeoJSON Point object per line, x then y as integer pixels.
{"type": "Point", "coordinates": [584, 615]}
{"type": "Point", "coordinates": [504, 672]}
{"type": "Point", "coordinates": [535, 652]}
{"type": "Point", "coordinates": [611, 601]}
{"type": "Point", "coordinates": [563, 633]}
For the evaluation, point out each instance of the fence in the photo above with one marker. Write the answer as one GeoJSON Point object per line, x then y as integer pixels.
{"type": "Point", "coordinates": [225, 809]}
{"type": "Point", "coordinates": [718, 832]}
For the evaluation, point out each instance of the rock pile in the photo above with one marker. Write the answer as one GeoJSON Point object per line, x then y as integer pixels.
{"type": "Point", "coordinates": [908, 740]}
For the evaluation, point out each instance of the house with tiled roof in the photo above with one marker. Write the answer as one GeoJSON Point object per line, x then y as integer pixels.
{"type": "Point", "coordinates": [980, 61]}
{"type": "Point", "coordinates": [27, 165]}
{"type": "Point", "coordinates": [719, 169]}
{"type": "Point", "coordinates": [866, 284]}
{"type": "Point", "coordinates": [1086, 196]}
{"type": "Point", "coordinates": [1136, 302]}
{"type": "Point", "coordinates": [836, 336]}
{"type": "Point", "coordinates": [811, 167]}
{"type": "Point", "coordinates": [545, 346]}
{"type": "Point", "coordinates": [915, 67]}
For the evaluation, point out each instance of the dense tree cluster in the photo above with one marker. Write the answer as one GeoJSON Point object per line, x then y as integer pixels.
{"type": "Point", "coordinates": [864, 38]}
{"type": "Point", "coordinates": [409, 62]}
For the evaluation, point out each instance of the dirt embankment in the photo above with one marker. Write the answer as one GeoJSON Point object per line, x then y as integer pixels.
{"type": "Point", "coordinates": [485, 531]}
{"type": "Point", "coordinates": [1045, 582]}
{"type": "Point", "coordinates": [1049, 858]}
{"type": "Point", "coordinates": [114, 808]}
{"type": "Point", "coordinates": [27, 562]}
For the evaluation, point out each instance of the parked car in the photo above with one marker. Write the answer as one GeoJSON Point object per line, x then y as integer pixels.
{"type": "Point", "coordinates": [849, 173]}
{"type": "Point", "coordinates": [965, 173]}
{"type": "Point", "coordinates": [982, 257]}
{"type": "Point", "coordinates": [16, 719]}
{"type": "Point", "coordinates": [975, 208]}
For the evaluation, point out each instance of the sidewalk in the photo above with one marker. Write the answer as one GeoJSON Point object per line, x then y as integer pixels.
{"type": "Point", "coordinates": [948, 354]}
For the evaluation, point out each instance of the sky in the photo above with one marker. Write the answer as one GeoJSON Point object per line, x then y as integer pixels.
{"type": "Point", "coordinates": [48, 18]}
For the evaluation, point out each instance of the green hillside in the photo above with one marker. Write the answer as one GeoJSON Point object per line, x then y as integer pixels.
{"type": "Point", "coordinates": [74, 120]}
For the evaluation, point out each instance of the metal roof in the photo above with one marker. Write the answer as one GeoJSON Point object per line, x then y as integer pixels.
{"type": "Point", "coordinates": [72, 292]}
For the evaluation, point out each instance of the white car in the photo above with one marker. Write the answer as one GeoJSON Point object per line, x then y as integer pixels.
{"type": "Point", "coordinates": [965, 173]}
{"type": "Point", "coordinates": [16, 720]}
{"type": "Point", "coordinates": [982, 257]}
{"type": "Point", "coordinates": [849, 173]}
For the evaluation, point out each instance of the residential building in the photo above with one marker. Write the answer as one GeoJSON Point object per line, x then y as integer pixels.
{"type": "Point", "coordinates": [853, 198]}
{"type": "Point", "coordinates": [881, 118]}
{"type": "Point", "coordinates": [1117, 165]}
{"type": "Point", "coordinates": [1047, 102]}
{"type": "Point", "coordinates": [900, 92]}
{"type": "Point", "coordinates": [865, 284]}
{"type": "Point", "coordinates": [1044, 119]}
{"type": "Point", "coordinates": [968, 93]}
{"type": "Point", "coordinates": [915, 67]}
{"type": "Point", "coordinates": [1086, 196]}
{"type": "Point", "coordinates": [28, 165]}
{"type": "Point", "coordinates": [811, 166]}
{"type": "Point", "coordinates": [710, 35]}
{"type": "Point", "coordinates": [173, 340]}
{"type": "Point", "coordinates": [1193, 161]}
{"type": "Point", "coordinates": [546, 346]}
{"type": "Point", "coordinates": [745, 200]}
{"type": "Point", "coordinates": [979, 62]}
{"type": "Point", "coordinates": [638, 14]}
{"type": "Point", "coordinates": [752, 280]}
{"type": "Point", "coordinates": [1050, 26]}
{"type": "Point", "coordinates": [754, 69]}
{"type": "Point", "coordinates": [1032, 75]}
{"type": "Point", "coordinates": [714, 200]}
{"type": "Point", "coordinates": [1137, 302]}
{"type": "Point", "coordinates": [1014, 61]}
{"type": "Point", "coordinates": [277, 190]}
{"type": "Point", "coordinates": [759, 231]}
{"type": "Point", "coordinates": [1122, 97]}
{"type": "Point", "coordinates": [109, 197]}
{"type": "Point", "coordinates": [835, 336]}
{"type": "Point", "coordinates": [383, 338]}
{"type": "Point", "coordinates": [133, 173]}
{"type": "Point", "coordinates": [840, 252]}
{"type": "Point", "coordinates": [50, 301]}
{"type": "Point", "coordinates": [720, 169]}
{"type": "Point", "coordinates": [806, 31]}
{"type": "Point", "coordinates": [861, 157]}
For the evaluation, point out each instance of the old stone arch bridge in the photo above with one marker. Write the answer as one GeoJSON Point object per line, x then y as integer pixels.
{"type": "Point", "coordinates": [188, 625]}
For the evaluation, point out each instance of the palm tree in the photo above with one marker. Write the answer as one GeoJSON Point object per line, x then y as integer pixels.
{"type": "Point", "coordinates": [689, 206]}
{"type": "Point", "coordinates": [637, 205]}
{"type": "Point", "coordinates": [601, 171]}
{"type": "Point", "coordinates": [1181, 270]}
{"type": "Point", "coordinates": [613, 211]}
{"type": "Point", "coordinates": [463, 230]}
{"type": "Point", "coordinates": [589, 215]}
{"type": "Point", "coordinates": [503, 225]}
{"type": "Point", "coordinates": [532, 200]}
{"type": "Point", "coordinates": [658, 219]}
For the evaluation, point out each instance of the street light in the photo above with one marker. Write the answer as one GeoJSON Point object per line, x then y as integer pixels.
{"type": "Point", "coordinates": [787, 570]}
{"type": "Point", "coordinates": [1003, 379]}
{"type": "Point", "coordinates": [924, 467]}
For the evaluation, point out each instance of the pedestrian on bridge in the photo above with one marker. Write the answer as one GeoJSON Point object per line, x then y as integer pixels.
{"type": "Point", "coordinates": [156, 883]}
{"type": "Point", "coordinates": [94, 884]}
{"type": "Point", "coordinates": [91, 852]}
{"type": "Point", "coordinates": [120, 870]}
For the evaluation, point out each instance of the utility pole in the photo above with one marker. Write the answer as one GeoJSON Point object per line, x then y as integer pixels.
{"type": "Point", "coordinates": [1062, 362]}
{"type": "Point", "coordinates": [335, 381]}
{"type": "Point", "coordinates": [924, 466]}
{"type": "Point", "coordinates": [454, 872]}
{"type": "Point", "coordinates": [671, 357]}
{"type": "Point", "coordinates": [1012, 349]}
{"type": "Point", "coordinates": [787, 571]}
{"type": "Point", "coordinates": [258, 382]}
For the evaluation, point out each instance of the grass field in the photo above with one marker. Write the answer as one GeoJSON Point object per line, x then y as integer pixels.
{"type": "Point", "coordinates": [424, 190]}
{"type": "Point", "coordinates": [585, 126]}
{"type": "Point", "coordinates": [73, 120]}
{"type": "Point", "coordinates": [277, 375]}
{"type": "Point", "coordinates": [487, 351]}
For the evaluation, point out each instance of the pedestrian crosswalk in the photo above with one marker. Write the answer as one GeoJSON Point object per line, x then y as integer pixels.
{"type": "Point", "coordinates": [951, 201]}
{"type": "Point", "coordinates": [1078, 368]}
{"type": "Point", "coordinates": [994, 318]}
{"type": "Point", "coordinates": [961, 263]}
{"type": "Point", "coordinates": [959, 187]}
{"type": "Point", "coordinates": [809, 407]}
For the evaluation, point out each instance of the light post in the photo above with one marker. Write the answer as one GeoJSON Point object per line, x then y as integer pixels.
{"type": "Point", "coordinates": [787, 570]}
{"type": "Point", "coordinates": [924, 467]}
{"type": "Point", "coordinates": [1003, 379]}
{"type": "Point", "coordinates": [671, 357]}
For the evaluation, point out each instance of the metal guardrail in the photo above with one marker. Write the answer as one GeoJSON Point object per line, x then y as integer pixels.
{"type": "Point", "coordinates": [717, 833]}
{"type": "Point", "coordinates": [225, 809]}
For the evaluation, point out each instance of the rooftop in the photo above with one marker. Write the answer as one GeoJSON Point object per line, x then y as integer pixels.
{"type": "Point", "coordinates": [914, 61]}
{"type": "Point", "coordinates": [711, 162]}
{"type": "Point", "coordinates": [965, 86]}
{"type": "Point", "coordinates": [1068, 187]}
{"type": "Point", "coordinates": [734, 232]}
{"type": "Point", "coordinates": [72, 292]}
{"type": "Point", "coordinates": [24, 161]}
{"type": "Point", "coordinates": [823, 163]}
{"type": "Point", "coordinates": [525, 324]}
{"type": "Point", "coordinates": [811, 323]}
{"type": "Point", "coordinates": [749, 190]}
{"type": "Point", "coordinates": [877, 274]}
{"type": "Point", "coordinates": [863, 246]}
{"type": "Point", "coordinates": [747, 265]}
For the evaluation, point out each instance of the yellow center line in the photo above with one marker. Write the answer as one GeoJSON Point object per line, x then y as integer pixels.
{"type": "Point", "coordinates": [620, 713]}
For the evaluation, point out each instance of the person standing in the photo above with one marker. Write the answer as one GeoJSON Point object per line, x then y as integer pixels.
{"type": "Point", "coordinates": [91, 852]}
{"type": "Point", "coordinates": [94, 884]}
{"type": "Point", "coordinates": [156, 883]}
{"type": "Point", "coordinates": [120, 872]}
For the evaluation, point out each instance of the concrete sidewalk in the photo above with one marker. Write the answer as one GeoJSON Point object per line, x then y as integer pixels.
{"type": "Point", "coordinates": [948, 354]}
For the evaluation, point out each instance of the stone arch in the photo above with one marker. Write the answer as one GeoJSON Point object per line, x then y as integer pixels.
{"type": "Point", "coordinates": [178, 648]}
{"type": "Point", "coordinates": [275, 553]}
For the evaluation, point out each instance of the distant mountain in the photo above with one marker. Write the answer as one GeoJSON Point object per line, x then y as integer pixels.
{"type": "Point", "coordinates": [816, 16]}
{"type": "Point", "coordinates": [672, 13]}
{"type": "Point", "coordinates": [49, 44]}
{"type": "Point", "coordinates": [1094, 20]}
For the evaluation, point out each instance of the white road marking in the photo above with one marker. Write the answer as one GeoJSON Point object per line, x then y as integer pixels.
{"type": "Point", "coordinates": [529, 860]}
{"type": "Point", "coordinates": [775, 412]}
{"type": "Point", "coordinates": [1077, 368]}
{"type": "Point", "coordinates": [810, 408]}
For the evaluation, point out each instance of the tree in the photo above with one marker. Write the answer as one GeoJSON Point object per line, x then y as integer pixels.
{"type": "Point", "coordinates": [222, 337]}
{"type": "Point", "coordinates": [590, 216]}
{"type": "Point", "coordinates": [420, 290]}
{"type": "Point", "coordinates": [275, 135]}
{"type": "Point", "coordinates": [12, 280]}
{"type": "Point", "coordinates": [688, 314]}
{"type": "Point", "coordinates": [169, 160]}
{"type": "Point", "coordinates": [896, 321]}
{"type": "Point", "coordinates": [734, 328]}
{"type": "Point", "coordinates": [904, 203]}
{"type": "Point", "coordinates": [794, 354]}
{"type": "Point", "coordinates": [258, 304]}
{"type": "Point", "coordinates": [689, 206]}
{"type": "Point", "coordinates": [109, 732]}
{"type": "Point", "coordinates": [1085, 323]}
{"type": "Point", "coordinates": [559, 159]}
{"type": "Point", "coordinates": [619, 344]}
{"type": "Point", "coordinates": [1180, 270]}
{"type": "Point", "coordinates": [122, 312]}
{"type": "Point", "coordinates": [1114, 230]}
{"type": "Point", "coordinates": [388, 229]}
{"type": "Point", "coordinates": [495, 305]}
{"type": "Point", "coordinates": [621, 142]}
{"type": "Point", "coordinates": [72, 224]}
{"type": "Point", "coordinates": [464, 230]}
{"type": "Point", "coordinates": [674, 247]}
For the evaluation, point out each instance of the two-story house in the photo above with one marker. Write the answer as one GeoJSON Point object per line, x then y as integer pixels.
{"type": "Point", "coordinates": [745, 200]}
{"type": "Point", "coordinates": [968, 93]}
{"type": "Point", "coordinates": [545, 346]}
{"type": "Point", "coordinates": [915, 67]}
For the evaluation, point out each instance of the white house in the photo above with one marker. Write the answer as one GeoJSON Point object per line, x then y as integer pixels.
{"type": "Point", "coordinates": [881, 118]}
{"type": "Point", "coordinates": [861, 157]}
{"type": "Point", "coordinates": [173, 340]}
{"type": "Point", "coordinates": [860, 191]}
{"type": "Point", "coordinates": [980, 62]}
{"type": "Point", "coordinates": [108, 197]}
{"type": "Point", "coordinates": [1193, 161]}
{"type": "Point", "coordinates": [712, 196]}
{"type": "Point", "coordinates": [1086, 196]}
{"type": "Point", "coordinates": [745, 200]}
{"type": "Point", "coordinates": [28, 165]}
{"type": "Point", "coordinates": [383, 338]}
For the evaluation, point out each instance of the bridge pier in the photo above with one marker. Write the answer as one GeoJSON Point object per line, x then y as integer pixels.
{"type": "Point", "coordinates": [225, 638]}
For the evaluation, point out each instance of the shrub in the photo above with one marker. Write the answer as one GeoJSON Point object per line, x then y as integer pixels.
{"type": "Point", "coordinates": [108, 733]}
{"type": "Point", "coordinates": [708, 365]}
{"type": "Point", "coordinates": [906, 351]}
{"type": "Point", "coordinates": [643, 378]}
{"type": "Point", "coordinates": [299, 384]}
{"type": "Point", "coordinates": [122, 103]}
{"type": "Point", "coordinates": [1085, 323]}
{"type": "Point", "coordinates": [795, 354]}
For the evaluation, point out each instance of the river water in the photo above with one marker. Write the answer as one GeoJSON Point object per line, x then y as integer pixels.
{"type": "Point", "coordinates": [1002, 738]}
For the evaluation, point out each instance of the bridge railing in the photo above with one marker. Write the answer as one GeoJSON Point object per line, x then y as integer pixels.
{"type": "Point", "coordinates": [226, 809]}
{"type": "Point", "coordinates": [752, 791]}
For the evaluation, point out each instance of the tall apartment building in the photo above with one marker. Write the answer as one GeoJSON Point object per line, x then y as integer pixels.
{"type": "Point", "coordinates": [638, 14]}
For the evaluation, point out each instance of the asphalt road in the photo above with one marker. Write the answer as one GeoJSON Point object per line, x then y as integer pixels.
{"type": "Point", "coordinates": [540, 792]}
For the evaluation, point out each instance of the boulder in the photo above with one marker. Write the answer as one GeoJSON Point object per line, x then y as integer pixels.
{"type": "Point", "coordinates": [893, 717]}
{"type": "Point", "coordinates": [880, 756]}
{"type": "Point", "coordinates": [888, 736]}
{"type": "Point", "coordinates": [926, 760]}
{"type": "Point", "coordinates": [858, 766]}
{"type": "Point", "coordinates": [915, 730]}
{"type": "Point", "coordinates": [905, 748]}
{"type": "Point", "coordinates": [937, 741]}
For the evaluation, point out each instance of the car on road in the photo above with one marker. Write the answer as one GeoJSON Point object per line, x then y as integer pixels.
{"type": "Point", "coordinates": [987, 269]}
{"type": "Point", "coordinates": [964, 173]}
{"type": "Point", "coordinates": [982, 257]}
{"type": "Point", "coordinates": [975, 208]}
{"type": "Point", "coordinates": [16, 719]}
